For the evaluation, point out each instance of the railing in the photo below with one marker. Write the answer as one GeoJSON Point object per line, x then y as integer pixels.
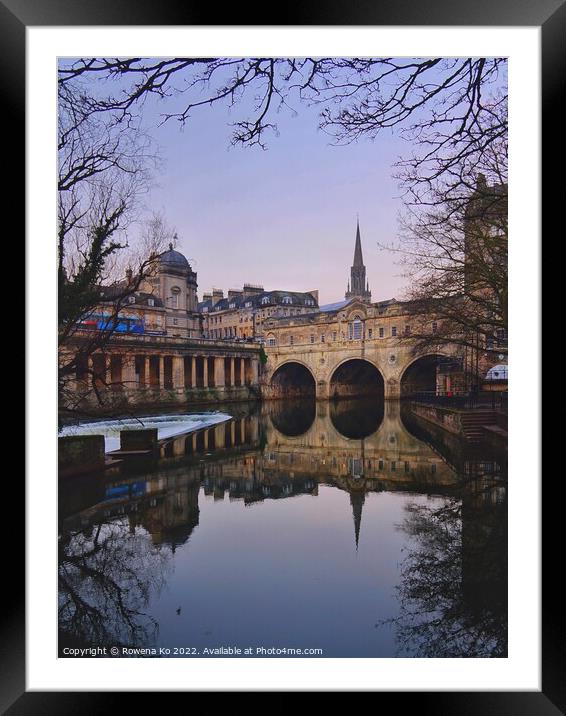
{"type": "Point", "coordinates": [487, 399]}
{"type": "Point", "coordinates": [141, 338]}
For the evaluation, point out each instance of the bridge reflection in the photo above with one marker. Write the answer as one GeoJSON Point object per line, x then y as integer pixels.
{"type": "Point", "coordinates": [132, 521]}
{"type": "Point", "coordinates": [281, 451]}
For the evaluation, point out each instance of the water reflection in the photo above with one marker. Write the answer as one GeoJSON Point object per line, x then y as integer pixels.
{"type": "Point", "coordinates": [453, 588]}
{"type": "Point", "coordinates": [353, 423]}
{"type": "Point", "coordinates": [107, 575]}
{"type": "Point", "coordinates": [412, 563]}
{"type": "Point", "coordinates": [293, 418]}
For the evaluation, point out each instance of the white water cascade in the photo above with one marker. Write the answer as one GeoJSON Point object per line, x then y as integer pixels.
{"type": "Point", "coordinates": [167, 426]}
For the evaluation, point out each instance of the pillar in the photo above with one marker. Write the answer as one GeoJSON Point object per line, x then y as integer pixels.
{"type": "Point", "coordinates": [322, 390]}
{"type": "Point", "coordinates": [254, 431]}
{"type": "Point", "coordinates": [205, 372]}
{"type": "Point", "coordinates": [392, 389]}
{"type": "Point", "coordinates": [232, 371]}
{"type": "Point", "coordinates": [90, 369]}
{"type": "Point", "coordinates": [193, 372]}
{"type": "Point", "coordinates": [178, 372]}
{"type": "Point", "coordinates": [161, 372]}
{"type": "Point", "coordinates": [146, 372]}
{"type": "Point", "coordinates": [115, 367]}
{"type": "Point", "coordinates": [129, 372]}
{"type": "Point", "coordinates": [254, 371]}
{"type": "Point", "coordinates": [220, 435]}
{"type": "Point", "coordinates": [98, 366]}
{"type": "Point", "coordinates": [219, 372]}
{"type": "Point", "coordinates": [179, 447]}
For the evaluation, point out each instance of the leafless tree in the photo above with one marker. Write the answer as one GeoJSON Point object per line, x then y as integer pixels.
{"type": "Point", "coordinates": [104, 172]}
{"type": "Point", "coordinates": [438, 104]}
{"type": "Point", "coordinates": [454, 252]}
{"type": "Point", "coordinates": [92, 287]}
{"type": "Point", "coordinates": [107, 575]}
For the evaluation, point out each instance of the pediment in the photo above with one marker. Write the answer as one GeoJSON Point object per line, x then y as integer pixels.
{"type": "Point", "coordinates": [356, 307]}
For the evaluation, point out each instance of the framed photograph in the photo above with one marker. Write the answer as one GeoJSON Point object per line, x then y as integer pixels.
{"type": "Point", "coordinates": [270, 430]}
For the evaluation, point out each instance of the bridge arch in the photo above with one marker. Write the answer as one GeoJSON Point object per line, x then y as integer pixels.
{"type": "Point", "coordinates": [356, 377]}
{"type": "Point", "coordinates": [355, 419]}
{"type": "Point", "coordinates": [292, 418]}
{"type": "Point", "coordinates": [421, 373]}
{"type": "Point", "coordinates": [292, 379]}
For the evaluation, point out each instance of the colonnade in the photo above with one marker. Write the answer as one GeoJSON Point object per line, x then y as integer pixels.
{"type": "Point", "coordinates": [161, 371]}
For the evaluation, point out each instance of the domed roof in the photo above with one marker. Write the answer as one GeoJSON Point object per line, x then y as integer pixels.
{"type": "Point", "coordinates": [498, 372]}
{"type": "Point", "coordinates": [174, 259]}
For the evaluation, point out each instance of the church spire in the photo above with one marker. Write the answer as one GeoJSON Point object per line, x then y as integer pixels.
{"type": "Point", "coordinates": [357, 499]}
{"type": "Point", "coordinates": [358, 258]}
{"type": "Point", "coordinates": [358, 287]}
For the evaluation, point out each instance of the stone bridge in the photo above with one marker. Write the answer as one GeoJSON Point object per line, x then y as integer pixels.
{"type": "Point", "coordinates": [353, 368]}
{"type": "Point", "coordinates": [321, 441]}
{"type": "Point", "coordinates": [336, 446]}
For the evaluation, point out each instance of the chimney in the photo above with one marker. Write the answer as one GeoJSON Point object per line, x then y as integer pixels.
{"type": "Point", "coordinates": [234, 292]}
{"type": "Point", "coordinates": [206, 296]}
{"type": "Point", "coordinates": [217, 295]}
{"type": "Point", "coordinates": [251, 289]}
{"type": "Point", "coordinates": [129, 274]}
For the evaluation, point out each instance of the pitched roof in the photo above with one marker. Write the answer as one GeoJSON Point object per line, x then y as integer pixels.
{"type": "Point", "coordinates": [117, 291]}
{"type": "Point", "coordinates": [257, 299]}
{"type": "Point", "coordinates": [336, 306]}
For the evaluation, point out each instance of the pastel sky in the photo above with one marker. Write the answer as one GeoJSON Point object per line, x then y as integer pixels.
{"type": "Point", "coordinates": [285, 217]}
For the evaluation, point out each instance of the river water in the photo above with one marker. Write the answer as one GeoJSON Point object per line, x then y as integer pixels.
{"type": "Point", "coordinates": [292, 529]}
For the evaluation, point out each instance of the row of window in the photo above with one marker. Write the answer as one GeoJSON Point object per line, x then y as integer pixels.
{"type": "Point", "coordinates": [258, 316]}
{"type": "Point", "coordinates": [150, 301]}
{"type": "Point", "coordinates": [267, 300]}
{"type": "Point", "coordinates": [355, 333]}
{"type": "Point", "coordinates": [356, 464]}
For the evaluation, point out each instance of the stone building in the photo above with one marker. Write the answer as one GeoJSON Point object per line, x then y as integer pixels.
{"type": "Point", "coordinates": [166, 303]}
{"type": "Point", "coordinates": [352, 348]}
{"type": "Point", "coordinates": [243, 312]}
{"type": "Point", "coordinates": [174, 283]}
{"type": "Point", "coordinates": [485, 218]}
{"type": "Point", "coordinates": [485, 267]}
{"type": "Point", "coordinates": [155, 351]}
{"type": "Point", "coordinates": [142, 312]}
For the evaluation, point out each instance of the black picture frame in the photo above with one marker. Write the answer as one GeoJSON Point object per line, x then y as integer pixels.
{"type": "Point", "coordinates": [550, 16]}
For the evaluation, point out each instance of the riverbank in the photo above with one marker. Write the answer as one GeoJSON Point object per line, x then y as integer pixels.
{"type": "Point", "coordinates": [472, 424]}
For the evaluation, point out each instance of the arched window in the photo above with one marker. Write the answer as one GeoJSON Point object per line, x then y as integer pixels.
{"type": "Point", "coordinates": [355, 329]}
{"type": "Point", "coordinates": [174, 300]}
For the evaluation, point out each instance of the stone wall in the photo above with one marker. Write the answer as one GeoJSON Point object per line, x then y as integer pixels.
{"type": "Point", "coordinates": [119, 401]}
{"type": "Point", "coordinates": [446, 418]}
{"type": "Point", "coordinates": [80, 454]}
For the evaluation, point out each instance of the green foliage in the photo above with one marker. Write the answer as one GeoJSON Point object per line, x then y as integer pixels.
{"type": "Point", "coordinates": [262, 356]}
{"type": "Point", "coordinates": [81, 293]}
